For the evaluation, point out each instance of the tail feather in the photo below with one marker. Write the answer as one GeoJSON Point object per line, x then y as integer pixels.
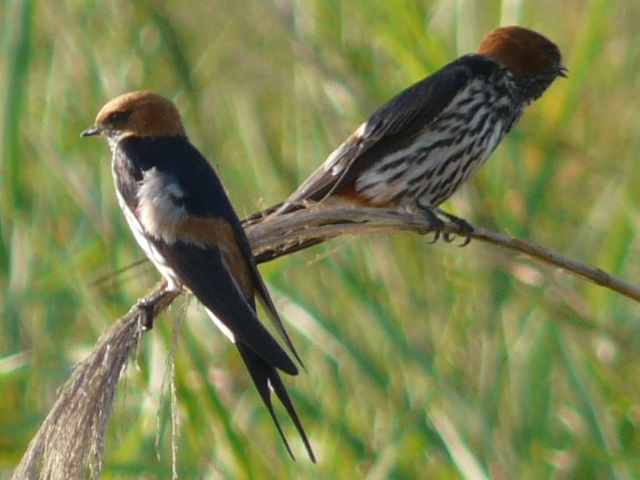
{"type": "Point", "coordinates": [264, 376]}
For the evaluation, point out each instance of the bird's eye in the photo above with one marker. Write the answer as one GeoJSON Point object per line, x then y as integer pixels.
{"type": "Point", "coordinates": [117, 117]}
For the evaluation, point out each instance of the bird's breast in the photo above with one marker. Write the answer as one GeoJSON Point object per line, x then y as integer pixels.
{"type": "Point", "coordinates": [159, 205]}
{"type": "Point", "coordinates": [428, 168]}
{"type": "Point", "coordinates": [148, 246]}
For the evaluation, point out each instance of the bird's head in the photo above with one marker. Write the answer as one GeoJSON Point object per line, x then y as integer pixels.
{"type": "Point", "coordinates": [533, 60]}
{"type": "Point", "coordinates": [143, 114]}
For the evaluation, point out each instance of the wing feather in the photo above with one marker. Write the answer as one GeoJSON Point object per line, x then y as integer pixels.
{"type": "Point", "coordinates": [396, 123]}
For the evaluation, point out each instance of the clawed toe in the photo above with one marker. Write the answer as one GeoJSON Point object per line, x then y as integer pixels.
{"type": "Point", "coordinates": [145, 307]}
{"type": "Point", "coordinates": [436, 236]}
{"type": "Point", "coordinates": [467, 229]}
{"type": "Point", "coordinates": [436, 222]}
{"type": "Point", "coordinates": [467, 239]}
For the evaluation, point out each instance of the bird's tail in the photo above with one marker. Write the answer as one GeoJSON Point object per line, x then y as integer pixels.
{"type": "Point", "coordinates": [264, 376]}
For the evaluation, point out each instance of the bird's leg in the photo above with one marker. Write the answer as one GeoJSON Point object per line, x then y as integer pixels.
{"type": "Point", "coordinates": [462, 224]}
{"type": "Point", "coordinates": [435, 222]}
{"type": "Point", "coordinates": [147, 305]}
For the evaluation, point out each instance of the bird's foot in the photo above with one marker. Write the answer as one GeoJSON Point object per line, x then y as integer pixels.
{"type": "Point", "coordinates": [467, 229]}
{"type": "Point", "coordinates": [436, 223]}
{"type": "Point", "coordinates": [146, 306]}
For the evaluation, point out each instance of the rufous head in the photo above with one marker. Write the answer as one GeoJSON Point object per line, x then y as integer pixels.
{"type": "Point", "coordinates": [142, 114]}
{"type": "Point", "coordinates": [523, 52]}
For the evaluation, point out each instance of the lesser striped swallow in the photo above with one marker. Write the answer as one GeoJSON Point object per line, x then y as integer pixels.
{"type": "Point", "coordinates": [417, 149]}
{"type": "Point", "coordinates": [180, 215]}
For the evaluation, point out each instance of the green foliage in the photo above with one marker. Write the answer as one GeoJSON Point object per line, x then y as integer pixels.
{"type": "Point", "coordinates": [423, 361]}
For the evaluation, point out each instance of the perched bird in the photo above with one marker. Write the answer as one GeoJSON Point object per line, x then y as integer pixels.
{"type": "Point", "coordinates": [180, 215]}
{"type": "Point", "coordinates": [420, 146]}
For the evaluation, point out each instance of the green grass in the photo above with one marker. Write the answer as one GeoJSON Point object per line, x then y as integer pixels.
{"type": "Point", "coordinates": [423, 361]}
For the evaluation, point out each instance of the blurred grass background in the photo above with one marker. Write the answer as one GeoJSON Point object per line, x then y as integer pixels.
{"type": "Point", "coordinates": [424, 361]}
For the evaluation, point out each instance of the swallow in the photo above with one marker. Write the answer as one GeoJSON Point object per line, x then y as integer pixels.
{"type": "Point", "coordinates": [417, 149]}
{"type": "Point", "coordinates": [180, 215]}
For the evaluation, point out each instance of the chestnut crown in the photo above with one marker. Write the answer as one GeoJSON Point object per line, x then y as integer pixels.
{"type": "Point", "coordinates": [144, 114]}
{"type": "Point", "coordinates": [523, 52]}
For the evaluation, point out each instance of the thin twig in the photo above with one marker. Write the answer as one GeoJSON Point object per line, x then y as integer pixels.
{"type": "Point", "coordinates": [274, 237]}
{"type": "Point", "coordinates": [69, 443]}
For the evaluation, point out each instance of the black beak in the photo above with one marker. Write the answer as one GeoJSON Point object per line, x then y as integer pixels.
{"type": "Point", "coordinates": [91, 131]}
{"type": "Point", "coordinates": [562, 71]}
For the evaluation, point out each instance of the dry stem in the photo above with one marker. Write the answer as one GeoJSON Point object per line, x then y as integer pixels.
{"type": "Point", "coordinates": [69, 443]}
